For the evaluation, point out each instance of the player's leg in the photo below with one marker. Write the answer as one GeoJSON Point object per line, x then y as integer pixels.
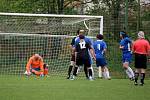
{"type": "Point", "coordinates": [142, 76]}
{"type": "Point", "coordinates": [36, 71]}
{"type": "Point", "coordinates": [72, 63]}
{"type": "Point", "coordinates": [90, 73]}
{"type": "Point", "coordinates": [143, 69]}
{"type": "Point", "coordinates": [91, 62]}
{"type": "Point", "coordinates": [99, 69]}
{"type": "Point", "coordinates": [103, 72]}
{"type": "Point", "coordinates": [78, 63]}
{"type": "Point", "coordinates": [137, 71]}
{"type": "Point", "coordinates": [126, 60]}
{"type": "Point", "coordinates": [137, 65]}
{"type": "Point", "coordinates": [86, 72]}
{"type": "Point", "coordinates": [102, 62]}
{"type": "Point", "coordinates": [99, 72]}
{"type": "Point", "coordinates": [70, 69]}
{"type": "Point", "coordinates": [128, 70]}
{"type": "Point", "coordinates": [87, 64]}
{"type": "Point", "coordinates": [106, 71]}
{"type": "Point", "coordinates": [45, 69]}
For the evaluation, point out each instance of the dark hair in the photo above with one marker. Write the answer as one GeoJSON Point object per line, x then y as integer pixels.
{"type": "Point", "coordinates": [123, 33]}
{"type": "Point", "coordinates": [78, 31]}
{"type": "Point", "coordinates": [81, 36]}
{"type": "Point", "coordinates": [100, 36]}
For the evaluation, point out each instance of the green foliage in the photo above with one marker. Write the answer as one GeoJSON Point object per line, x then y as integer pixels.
{"type": "Point", "coordinates": [70, 11]}
{"type": "Point", "coordinates": [146, 16]}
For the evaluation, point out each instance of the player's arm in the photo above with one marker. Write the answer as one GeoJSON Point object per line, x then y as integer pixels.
{"type": "Point", "coordinates": [92, 52]}
{"type": "Point", "coordinates": [75, 57]}
{"type": "Point", "coordinates": [41, 65]}
{"type": "Point", "coordinates": [28, 65]}
{"type": "Point", "coordinates": [72, 45]}
{"type": "Point", "coordinates": [75, 50]}
{"type": "Point", "coordinates": [105, 47]}
{"type": "Point", "coordinates": [121, 45]}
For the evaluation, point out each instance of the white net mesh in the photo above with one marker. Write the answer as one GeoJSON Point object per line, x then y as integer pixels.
{"type": "Point", "coordinates": [23, 35]}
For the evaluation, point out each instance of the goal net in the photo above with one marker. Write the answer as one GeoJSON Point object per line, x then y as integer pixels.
{"type": "Point", "coordinates": [22, 35]}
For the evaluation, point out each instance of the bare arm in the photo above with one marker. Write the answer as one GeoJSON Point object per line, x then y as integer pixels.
{"type": "Point", "coordinates": [121, 47]}
{"type": "Point", "coordinates": [92, 53]}
{"type": "Point", "coordinates": [28, 65]}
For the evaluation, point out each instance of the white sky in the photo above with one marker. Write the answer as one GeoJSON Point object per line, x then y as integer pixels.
{"type": "Point", "coordinates": [145, 1]}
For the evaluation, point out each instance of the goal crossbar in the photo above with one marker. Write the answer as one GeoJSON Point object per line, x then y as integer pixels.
{"type": "Point", "coordinates": [81, 18]}
{"type": "Point", "coordinates": [48, 15]}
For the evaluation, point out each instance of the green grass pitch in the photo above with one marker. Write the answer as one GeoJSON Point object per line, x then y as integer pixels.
{"type": "Point", "coordinates": [59, 88]}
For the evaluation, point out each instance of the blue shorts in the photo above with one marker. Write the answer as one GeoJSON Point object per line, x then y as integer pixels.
{"type": "Point", "coordinates": [37, 69]}
{"type": "Point", "coordinates": [101, 62]}
{"type": "Point", "coordinates": [127, 57]}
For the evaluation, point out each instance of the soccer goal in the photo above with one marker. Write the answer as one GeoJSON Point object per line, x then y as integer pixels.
{"type": "Point", "coordinates": [22, 35]}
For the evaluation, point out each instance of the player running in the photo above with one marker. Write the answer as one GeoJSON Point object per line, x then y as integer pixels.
{"type": "Point", "coordinates": [125, 46]}
{"type": "Point", "coordinates": [100, 49]}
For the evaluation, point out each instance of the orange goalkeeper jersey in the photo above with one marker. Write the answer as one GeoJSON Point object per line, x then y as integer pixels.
{"type": "Point", "coordinates": [32, 63]}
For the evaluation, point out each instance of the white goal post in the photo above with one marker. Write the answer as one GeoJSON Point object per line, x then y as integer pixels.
{"type": "Point", "coordinates": [24, 34]}
{"type": "Point", "coordinates": [74, 19]}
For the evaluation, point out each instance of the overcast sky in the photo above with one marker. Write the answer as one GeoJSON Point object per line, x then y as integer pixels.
{"type": "Point", "coordinates": [146, 1]}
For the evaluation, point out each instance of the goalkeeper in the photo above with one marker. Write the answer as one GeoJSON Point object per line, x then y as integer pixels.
{"type": "Point", "coordinates": [36, 66]}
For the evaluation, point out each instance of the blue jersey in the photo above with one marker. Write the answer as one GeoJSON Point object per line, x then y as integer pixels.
{"type": "Point", "coordinates": [99, 46]}
{"type": "Point", "coordinates": [88, 40]}
{"type": "Point", "coordinates": [126, 43]}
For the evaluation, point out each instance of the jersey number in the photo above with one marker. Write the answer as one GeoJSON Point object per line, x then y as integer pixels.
{"type": "Point", "coordinates": [129, 47]}
{"type": "Point", "coordinates": [82, 45]}
{"type": "Point", "coordinates": [98, 46]}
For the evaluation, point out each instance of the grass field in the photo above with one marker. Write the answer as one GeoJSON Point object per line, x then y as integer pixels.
{"type": "Point", "coordinates": [59, 88]}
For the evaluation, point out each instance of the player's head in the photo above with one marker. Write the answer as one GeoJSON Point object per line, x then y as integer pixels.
{"type": "Point", "coordinates": [99, 36]}
{"type": "Point", "coordinates": [141, 35]}
{"type": "Point", "coordinates": [123, 34]}
{"type": "Point", "coordinates": [81, 36]}
{"type": "Point", "coordinates": [37, 57]}
{"type": "Point", "coordinates": [81, 32]}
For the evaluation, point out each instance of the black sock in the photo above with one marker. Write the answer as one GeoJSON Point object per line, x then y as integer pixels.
{"type": "Point", "coordinates": [90, 72]}
{"type": "Point", "coordinates": [136, 77]}
{"type": "Point", "coordinates": [69, 70]}
{"type": "Point", "coordinates": [75, 71]}
{"type": "Point", "coordinates": [86, 71]}
{"type": "Point", "coordinates": [142, 77]}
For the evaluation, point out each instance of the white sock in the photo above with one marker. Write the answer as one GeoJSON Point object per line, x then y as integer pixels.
{"type": "Point", "coordinates": [92, 72]}
{"type": "Point", "coordinates": [131, 71]}
{"type": "Point", "coordinates": [107, 74]}
{"type": "Point", "coordinates": [99, 73]}
{"type": "Point", "coordinates": [104, 75]}
{"type": "Point", "coordinates": [78, 70]}
{"type": "Point", "coordinates": [128, 73]}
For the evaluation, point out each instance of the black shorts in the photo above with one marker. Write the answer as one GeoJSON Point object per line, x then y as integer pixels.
{"type": "Point", "coordinates": [72, 57]}
{"type": "Point", "coordinates": [85, 62]}
{"type": "Point", "coordinates": [140, 61]}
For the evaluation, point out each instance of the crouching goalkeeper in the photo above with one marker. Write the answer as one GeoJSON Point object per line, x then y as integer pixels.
{"type": "Point", "coordinates": [36, 66]}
